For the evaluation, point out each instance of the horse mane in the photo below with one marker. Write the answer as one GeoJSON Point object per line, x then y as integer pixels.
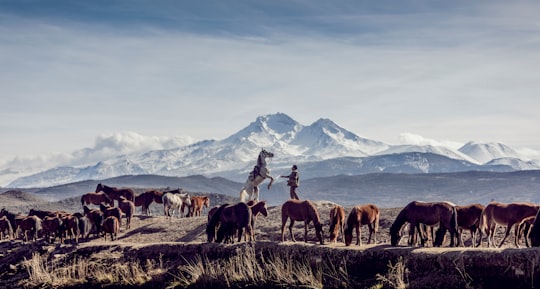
{"type": "Point", "coordinates": [400, 221]}
{"type": "Point", "coordinates": [314, 214]}
{"type": "Point", "coordinates": [212, 223]}
{"type": "Point", "coordinates": [351, 220]}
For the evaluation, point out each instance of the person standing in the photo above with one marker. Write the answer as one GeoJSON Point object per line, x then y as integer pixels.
{"type": "Point", "coordinates": [293, 182]}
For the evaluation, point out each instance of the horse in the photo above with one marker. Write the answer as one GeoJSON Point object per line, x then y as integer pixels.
{"type": "Point", "coordinates": [128, 208]}
{"type": "Point", "coordinates": [534, 234]}
{"type": "Point", "coordinates": [468, 218]}
{"type": "Point", "coordinates": [229, 218]}
{"type": "Point", "coordinates": [297, 210]}
{"type": "Point", "coordinates": [428, 213]}
{"type": "Point", "coordinates": [524, 229]}
{"type": "Point", "coordinates": [85, 225]}
{"type": "Point", "coordinates": [12, 218]}
{"type": "Point", "coordinates": [505, 215]}
{"type": "Point", "coordinates": [257, 208]}
{"type": "Point", "coordinates": [96, 218]}
{"type": "Point", "coordinates": [30, 224]}
{"type": "Point", "coordinates": [41, 213]}
{"type": "Point", "coordinates": [52, 226]}
{"type": "Point", "coordinates": [71, 227]}
{"type": "Point", "coordinates": [115, 193]}
{"type": "Point", "coordinates": [145, 199]}
{"type": "Point", "coordinates": [197, 204]}
{"type": "Point", "coordinates": [173, 201]}
{"type": "Point", "coordinates": [111, 225]}
{"type": "Point", "coordinates": [362, 215]}
{"type": "Point", "coordinates": [96, 199]}
{"type": "Point", "coordinates": [257, 176]}
{"type": "Point", "coordinates": [337, 221]}
{"type": "Point", "coordinates": [5, 225]}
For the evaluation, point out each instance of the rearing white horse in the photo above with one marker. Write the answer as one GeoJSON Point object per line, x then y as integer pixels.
{"type": "Point", "coordinates": [257, 176]}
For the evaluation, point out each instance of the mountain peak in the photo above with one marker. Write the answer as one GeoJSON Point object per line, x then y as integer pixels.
{"type": "Point", "coordinates": [485, 152]}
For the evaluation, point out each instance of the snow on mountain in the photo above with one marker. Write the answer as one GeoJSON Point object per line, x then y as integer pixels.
{"type": "Point", "coordinates": [440, 150]}
{"type": "Point", "coordinates": [323, 143]}
{"type": "Point", "coordinates": [515, 163]}
{"type": "Point", "coordinates": [485, 152]}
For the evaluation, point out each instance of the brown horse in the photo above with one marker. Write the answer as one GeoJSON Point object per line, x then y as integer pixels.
{"type": "Point", "coordinates": [362, 215]}
{"type": "Point", "coordinates": [197, 204]}
{"type": "Point", "coordinates": [32, 225]}
{"type": "Point", "coordinates": [111, 225]}
{"type": "Point", "coordinates": [115, 193]}
{"type": "Point", "coordinates": [468, 218]}
{"type": "Point", "coordinates": [5, 225]}
{"type": "Point", "coordinates": [71, 226]}
{"type": "Point", "coordinates": [524, 229]}
{"type": "Point", "coordinates": [297, 210]}
{"type": "Point", "coordinates": [96, 199]}
{"type": "Point", "coordinates": [52, 227]}
{"type": "Point", "coordinates": [505, 215]}
{"type": "Point", "coordinates": [257, 208]}
{"type": "Point", "coordinates": [337, 222]}
{"type": "Point", "coordinates": [96, 218]}
{"type": "Point", "coordinates": [428, 213]}
{"type": "Point", "coordinates": [229, 218]}
{"type": "Point", "coordinates": [145, 199]}
{"type": "Point", "coordinates": [112, 211]}
{"type": "Point", "coordinates": [128, 208]}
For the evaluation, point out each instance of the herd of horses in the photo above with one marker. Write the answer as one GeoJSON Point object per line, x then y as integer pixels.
{"type": "Point", "coordinates": [102, 221]}
{"type": "Point", "coordinates": [428, 222]}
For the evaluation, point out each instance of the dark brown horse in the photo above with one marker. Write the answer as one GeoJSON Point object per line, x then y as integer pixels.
{"type": "Point", "coordinates": [112, 211]}
{"type": "Point", "coordinates": [71, 226]}
{"type": "Point", "coordinates": [534, 234]}
{"type": "Point", "coordinates": [430, 214]}
{"type": "Point", "coordinates": [337, 223]}
{"type": "Point", "coordinates": [505, 215]}
{"type": "Point", "coordinates": [468, 218]}
{"type": "Point", "coordinates": [229, 218]}
{"type": "Point", "coordinates": [197, 205]}
{"type": "Point", "coordinates": [52, 227]}
{"type": "Point", "coordinates": [305, 211]}
{"type": "Point", "coordinates": [13, 218]}
{"type": "Point", "coordinates": [362, 215]}
{"type": "Point", "coordinates": [115, 193]}
{"type": "Point", "coordinates": [111, 225]}
{"type": "Point", "coordinates": [96, 199]}
{"type": "Point", "coordinates": [257, 208]}
{"type": "Point", "coordinates": [5, 226]}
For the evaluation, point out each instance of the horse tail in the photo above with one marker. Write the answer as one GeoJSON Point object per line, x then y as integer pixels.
{"type": "Point", "coordinates": [377, 218]}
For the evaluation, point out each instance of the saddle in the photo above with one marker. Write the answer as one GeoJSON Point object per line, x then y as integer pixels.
{"type": "Point", "coordinates": [254, 173]}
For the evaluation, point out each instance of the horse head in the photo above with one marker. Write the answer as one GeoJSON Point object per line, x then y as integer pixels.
{"type": "Point", "coordinates": [99, 188]}
{"type": "Point", "coordinates": [266, 154]}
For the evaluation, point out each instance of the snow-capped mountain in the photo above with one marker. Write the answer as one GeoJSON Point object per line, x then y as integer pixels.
{"type": "Point", "coordinates": [324, 147]}
{"type": "Point", "coordinates": [485, 152]}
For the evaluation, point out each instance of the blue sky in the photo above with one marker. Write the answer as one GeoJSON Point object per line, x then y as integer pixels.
{"type": "Point", "coordinates": [78, 74]}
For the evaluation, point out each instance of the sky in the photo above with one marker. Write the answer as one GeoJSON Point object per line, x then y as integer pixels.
{"type": "Point", "coordinates": [127, 75]}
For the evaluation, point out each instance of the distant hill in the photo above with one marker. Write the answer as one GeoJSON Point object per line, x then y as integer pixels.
{"type": "Point", "coordinates": [384, 189]}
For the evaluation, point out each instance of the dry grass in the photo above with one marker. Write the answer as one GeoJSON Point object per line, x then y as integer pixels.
{"type": "Point", "coordinates": [79, 271]}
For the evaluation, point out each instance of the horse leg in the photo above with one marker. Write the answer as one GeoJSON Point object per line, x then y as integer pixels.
{"type": "Point", "coordinates": [342, 230]}
{"type": "Point", "coordinates": [256, 193]}
{"type": "Point", "coordinates": [306, 225]}
{"type": "Point", "coordinates": [358, 241]}
{"type": "Point", "coordinates": [283, 222]}
{"type": "Point", "coordinates": [412, 233]}
{"type": "Point", "coordinates": [506, 233]}
{"type": "Point", "coordinates": [290, 230]}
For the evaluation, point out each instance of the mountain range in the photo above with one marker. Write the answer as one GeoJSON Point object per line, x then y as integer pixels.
{"type": "Point", "coordinates": [322, 149]}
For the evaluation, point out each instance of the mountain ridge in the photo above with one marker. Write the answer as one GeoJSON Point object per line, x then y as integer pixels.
{"type": "Point", "coordinates": [292, 142]}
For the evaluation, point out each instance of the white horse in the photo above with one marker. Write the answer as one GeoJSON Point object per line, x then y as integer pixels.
{"type": "Point", "coordinates": [174, 201]}
{"type": "Point", "coordinates": [257, 176]}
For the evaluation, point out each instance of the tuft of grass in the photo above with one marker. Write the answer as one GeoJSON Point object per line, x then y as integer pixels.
{"type": "Point", "coordinates": [79, 271]}
{"type": "Point", "coordinates": [397, 276]}
{"type": "Point", "coordinates": [248, 269]}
